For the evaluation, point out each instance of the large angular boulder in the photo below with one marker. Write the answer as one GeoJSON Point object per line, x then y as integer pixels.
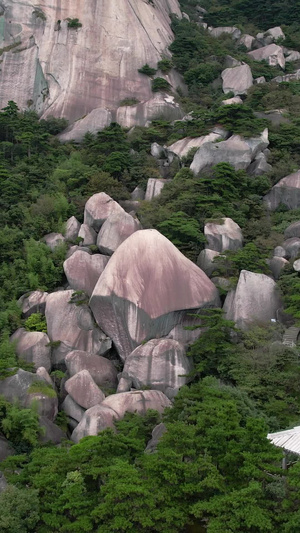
{"type": "Point", "coordinates": [256, 299]}
{"type": "Point", "coordinates": [292, 247]}
{"type": "Point", "coordinates": [27, 388]}
{"type": "Point", "coordinates": [246, 40]}
{"type": "Point", "coordinates": [160, 364]}
{"type": "Point", "coordinates": [205, 261]}
{"type": "Point", "coordinates": [72, 409]}
{"type": "Point", "coordinates": [146, 289]}
{"type": "Point", "coordinates": [182, 147]}
{"type": "Point", "coordinates": [114, 408]}
{"type": "Point", "coordinates": [72, 229]}
{"type": "Point", "coordinates": [33, 347]}
{"type": "Point", "coordinates": [83, 270]}
{"type": "Point", "coordinates": [157, 434]}
{"type": "Point", "coordinates": [154, 188]}
{"type": "Point", "coordinates": [87, 235]}
{"type": "Point", "coordinates": [271, 53]}
{"type": "Point", "coordinates": [270, 36]}
{"type": "Point", "coordinates": [287, 77]}
{"type": "Point", "coordinates": [259, 166]}
{"type": "Point", "coordinates": [293, 230]}
{"type": "Point", "coordinates": [222, 235]}
{"type": "Point", "coordinates": [98, 208]}
{"type": "Point", "coordinates": [116, 229]}
{"type": "Point", "coordinates": [230, 30]}
{"type": "Point", "coordinates": [232, 101]}
{"type": "Point", "coordinates": [237, 80]}
{"type": "Point", "coordinates": [72, 327]}
{"type": "Point", "coordinates": [102, 370]}
{"type": "Point", "coordinates": [276, 265]}
{"type": "Point", "coordinates": [286, 192]}
{"type": "Point", "coordinates": [52, 432]}
{"type": "Point", "coordinates": [236, 150]}
{"type": "Point", "coordinates": [34, 302]}
{"type": "Point", "coordinates": [83, 390]}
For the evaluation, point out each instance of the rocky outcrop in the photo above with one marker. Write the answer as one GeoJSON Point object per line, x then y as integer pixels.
{"type": "Point", "coordinates": [237, 80]}
{"type": "Point", "coordinates": [154, 188]}
{"type": "Point", "coordinates": [293, 230]}
{"type": "Point", "coordinates": [276, 265]}
{"type": "Point", "coordinates": [236, 150]}
{"type": "Point", "coordinates": [255, 300]}
{"type": "Point", "coordinates": [182, 147]}
{"type": "Point", "coordinates": [98, 208]}
{"type": "Point", "coordinates": [83, 270]}
{"type": "Point", "coordinates": [286, 192]}
{"type": "Point", "coordinates": [72, 229]}
{"type": "Point", "coordinates": [259, 166]}
{"type": "Point", "coordinates": [23, 387]}
{"type": "Point", "coordinates": [157, 434]}
{"type": "Point", "coordinates": [114, 408]}
{"type": "Point", "coordinates": [230, 30]}
{"type": "Point", "coordinates": [72, 409]}
{"type": "Point", "coordinates": [233, 101]}
{"type": "Point", "coordinates": [292, 247]}
{"type": "Point", "coordinates": [222, 235]}
{"type": "Point", "coordinates": [72, 327]}
{"type": "Point", "coordinates": [116, 228]}
{"type": "Point", "coordinates": [83, 390]}
{"type": "Point", "coordinates": [205, 261]}
{"type": "Point", "coordinates": [272, 53]}
{"type": "Point", "coordinates": [61, 71]}
{"type": "Point", "coordinates": [160, 364]}
{"type": "Point", "coordinates": [33, 347]}
{"type": "Point", "coordinates": [246, 40]}
{"type": "Point", "coordinates": [101, 369]}
{"type": "Point", "coordinates": [88, 235]}
{"type": "Point", "coordinates": [34, 302]}
{"type": "Point", "coordinates": [146, 289]}
{"type": "Point", "coordinates": [287, 77]}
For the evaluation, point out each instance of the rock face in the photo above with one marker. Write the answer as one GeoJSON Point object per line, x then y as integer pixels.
{"type": "Point", "coordinates": [276, 265]}
{"type": "Point", "coordinates": [83, 270]}
{"type": "Point", "coordinates": [98, 208]}
{"type": "Point", "coordinates": [237, 79]}
{"type": "Point", "coordinates": [286, 191]}
{"type": "Point", "coordinates": [72, 229]}
{"type": "Point", "coordinates": [102, 370]}
{"type": "Point", "coordinates": [114, 407]}
{"type": "Point", "coordinates": [88, 235]}
{"type": "Point", "coordinates": [231, 30]}
{"type": "Point", "coordinates": [154, 188]}
{"type": "Point", "coordinates": [255, 300]}
{"type": "Point", "coordinates": [84, 390]}
{"type": "Point", "coordinates": [183, 146]}
{"type": "Point", "coordinates": [32, 346]}
{"type": "Point", "coordinates": [160, 364]}
{"type": "Point", "coordinates": [237, 151]}
{"type": "Point", "coordinates": [223, 235]}
{"type": "Point", "coordinates": [292, 247]}
{"type": "Point", "coordinates": [146, 289]}
{"type": "Point", "coordinates": [115, 230]}
{"type": "Point", "coordinates": [35, 302]}
{"type": "Point", "coordinates": [272, 53]}
{"type": "Point", "coordinates": [293, 230]}
{"type": "Point", "coordinates": [205, 261]}
{"type": "Point", "coordinates": [72, 409]}
{"type": "Point", "coordinates": [71, 72]}
{"type": "Point", "coordinates": [73, 326]}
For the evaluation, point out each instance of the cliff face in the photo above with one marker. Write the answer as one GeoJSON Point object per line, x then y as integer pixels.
{"type": "Point", "coordinates": [60, 71]}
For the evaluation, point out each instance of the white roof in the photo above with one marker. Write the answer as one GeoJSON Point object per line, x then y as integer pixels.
{"type": "Point", "coordinates": [288, 439]}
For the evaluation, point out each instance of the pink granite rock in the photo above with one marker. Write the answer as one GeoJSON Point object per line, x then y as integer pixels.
{"type": "Point", "coordinates": [88, 235]}
{"type": "Point", "coordinates": [84, 390]}
{"type": "Point", "coordinates": [83, 270]}
{"type": "Point", "coordinates": [146, 289]}
{"type": "Point", "coordinates": [101, 369]}
{"type": "Point", "coordinates": [98, 208]}
{"type": "Point", "coordinates": [34, 302]}
{"type": "Point", "coordinates": [72, 229]}
{"type": "Point", "coordinates": [33, 347]}
{"type": "Point", "coordinates": [117, 227]}
{"type": "Point", "coordinates": [286, 192]}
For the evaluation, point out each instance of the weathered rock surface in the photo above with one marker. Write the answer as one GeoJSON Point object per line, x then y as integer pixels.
{"type": "Point", "coordinates": [96, 120]}
{"type": "Point", "coordinates": [293, 55]}
{"type": "Point", "coordinates": [279, 251]}
{"type": "Point", "coordinates": [259, 166]}
{"type": "Point", "coordinates": [231, 30]}
{"type": "Point", "coordinates": [205, 261]}
{"type": "Point", "coordinates": [272, 53]}
{"type": "Point", "coordinates": [236, 150]}
{"type": "Point", "coordinates": [246, 40]}
{"type": "Point", "coordinates": [53, 240]}
{"type": "Point", "coordinates": [33, 347]}
{"type": "Point", "coordinates": [84, 390]}
{"type": "Point", "coordinates": [138, 194]}
{"type": "Point", "coordinates": [255, 300]}
{"type": "Point", "coordinates": [101, 369]}
{"type": "Point", "coordinates": [160, 364]}
{"type": "Point", "coordinates": [72, 409]}
{"type": "Point", "coordinates": [182, 147]}
{"type": "Point", "coordinates": [43, 374]}
{"type": "Point", "coordinates": [296, 265]}
{"type": "Point", "coordinates": [114, 407]}
{"type": "Point", "coordinates": [233, 101]}
{"type": "Point", "coordinates": [292, 247]}
{"type": "Point", "coordinates": [154, 188]}
{"type": "Point", "coordinates": [53, 433]}
{"type": "Point", "coordinates": [17, 388]}
{"type": "Point", "coordinates": [71, 72]}
{"type": "Point", "coordinates": [73, 326]}
{"type": "Point", "coordinates": [157, 434]}
{"type": "Point", "coordinates": [72, 229]}
{"type": "Point", "coordinates": [146, 296]}
{"type": "Point", "coordinates": [287, 77]}
{"type": "Point", "coordinates": [83, 270]}
{"type": "Point", "coordinates": [116, 229]}
{"type": "Point", "coordinates": [237, 79]}
{"type": "Point", "coordinates": [286, 191]}
{"type": "Point", "coordinates": [276, 265]}
{"type": "Point", "coordinates": [35, 302]}
{"type": "Point", "coordinates": [161, 105]}
{"type": "Point", "coordinates": [88, 235]}
{"type": "Point", "coordinates": [98, 208]}
{"type": "Point", "coordinates": [223, 235]}
{"type": "Point", "coordinates": [293, 230]}
{"type": "Point", "coordinates": [5, 451]}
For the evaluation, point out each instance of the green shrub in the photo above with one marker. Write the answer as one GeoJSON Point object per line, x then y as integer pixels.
{"type": "Point", "coordinates": [165, 65]}
{"type": "Point", "coordinates": [147, 70]}
{"type": "Point", "coordinates": [129, 102]}
{"type": "Point", "coordinates": [41, 387]}
{"type": "Point", "coordinates": [160, 84]}
{"type": "Point", "coordinates": [36, 322]}
{"type": "Point", "coordinates": [74, 23]}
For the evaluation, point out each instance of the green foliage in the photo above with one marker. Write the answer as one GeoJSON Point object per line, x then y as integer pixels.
{"type": "Point", "coordinates": [36, 322]}
{"type": "Point", "coordinates": [239, 119]}
{"type": "Point", "coordinates": [41, 387]}
{"type": "Point", "coordinates": [165, 65]}
{"type": "Point", "coordinates": [19, 510]}
{"type": "Point", "coordinates": [184, 231]}
{"type": "Point", "coordinates": [129, 102]}
{"type": "Point", "coordinates": [160, 84]}
{"type": "Point", "coordinates": [74, 23]}
{"type": "Point", "coordinates": [20, 426]}
{"type": "Point", "coordinates": [202, 75]}
{"type": "Point", "coordinates": [230, 263]}
{"type": "Point", "coordinates": [147, 70]}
